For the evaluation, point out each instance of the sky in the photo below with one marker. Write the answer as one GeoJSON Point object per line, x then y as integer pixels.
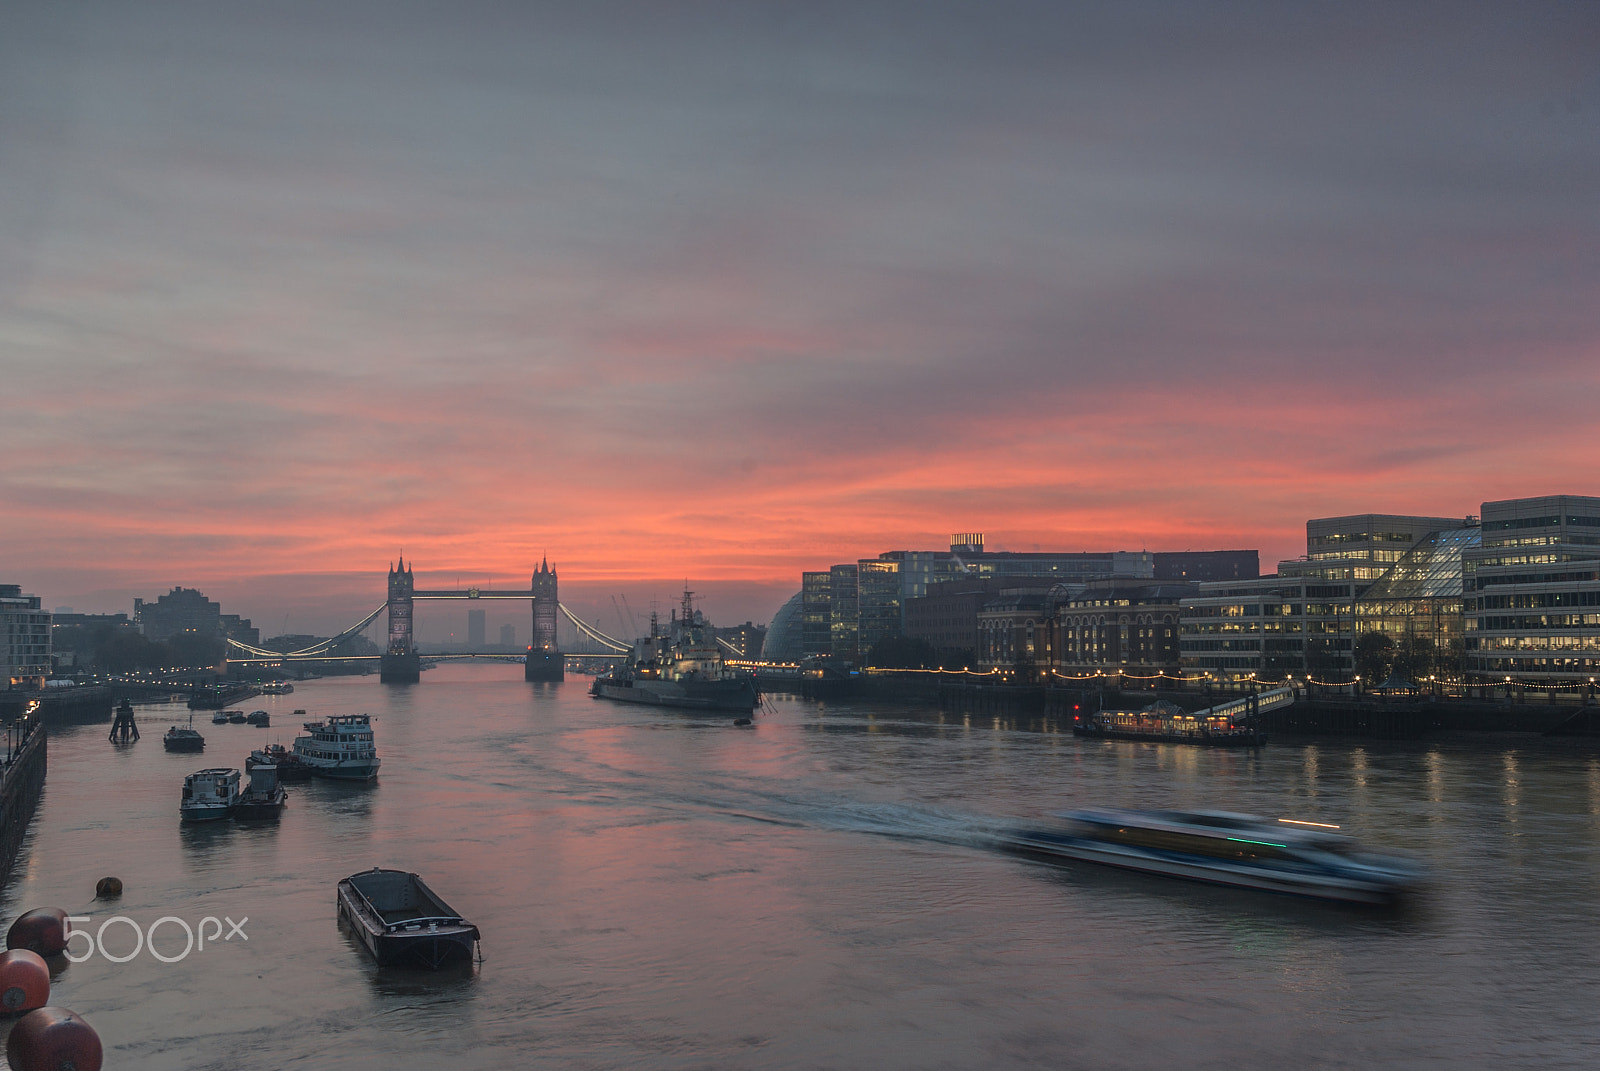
{"type": "Point", "coordinates": [720, 292]}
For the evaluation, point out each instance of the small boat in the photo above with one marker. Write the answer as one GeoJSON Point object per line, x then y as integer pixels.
{"type": "Point", "coordinates": [219, 718]}
{"type": "Point", "coordinates": [290, 768]}
{"type": "Point", "coordinates": [236, 716]}
{"type": "Point", "coordinates": [179, 738]}
{"type": "Point", "coordinates": [264, 799]}
{"type": "Point", "coordinates": [1244, 851]}
{"type": "Point", "coordinates": [209, 795]}
{"type": "Point", "coordinates": [339, 746]}
{"type": "Point", "coordinates": [402, 922]}
{"type": "Point", "coordinates": [259, 718]}
{"type": "Point", "coordinates": [277, 688]}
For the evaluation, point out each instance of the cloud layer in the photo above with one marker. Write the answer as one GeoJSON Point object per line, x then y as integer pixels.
{"type": "Point", "coordinates": [727, 292]}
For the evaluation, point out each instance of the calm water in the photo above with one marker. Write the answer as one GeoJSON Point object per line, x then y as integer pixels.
{"type": "Point", "coordinates": [818, 891]}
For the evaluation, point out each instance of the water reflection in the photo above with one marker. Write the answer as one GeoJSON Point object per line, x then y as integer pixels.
{"type": "Point", "coordinates": [655, 891]}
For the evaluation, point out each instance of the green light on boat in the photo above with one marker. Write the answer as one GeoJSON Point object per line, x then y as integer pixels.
{"type": "Point", "coordinates": [1268, 843]}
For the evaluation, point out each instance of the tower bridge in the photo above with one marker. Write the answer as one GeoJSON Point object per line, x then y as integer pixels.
{"type": "Point", "coordinates": [401, 663]}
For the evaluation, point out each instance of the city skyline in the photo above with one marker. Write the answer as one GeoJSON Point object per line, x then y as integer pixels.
{"type": "Point", "coordinates": [728, 294]}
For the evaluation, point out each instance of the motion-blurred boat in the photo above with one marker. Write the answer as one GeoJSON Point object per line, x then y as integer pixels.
{"type": "Point", "coordinates": [1244, 851]}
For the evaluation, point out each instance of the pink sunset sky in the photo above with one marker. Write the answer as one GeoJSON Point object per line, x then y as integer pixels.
{"type": "Point", "coordinates": [725, 292]}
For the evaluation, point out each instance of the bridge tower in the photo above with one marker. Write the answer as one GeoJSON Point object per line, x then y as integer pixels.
{"type": "Point", "coordinates": [544, 659]}
{"type": "Point", "coordinates": [400, 664]}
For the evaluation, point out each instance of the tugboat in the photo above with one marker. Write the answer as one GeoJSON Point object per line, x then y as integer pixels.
{"type": "Point", "coordinates": [339, 747]}
{"type": "Point", "coordinates": [259, 718]}
{"type": "Point", "coordinates": [209, 795]}
{"type": "Point", "coordinates": [681, 669]}
{"type": "Point", "coordinates": [290, 768]}
{"type": "Point", "coordinates": [264, 799]}
{"type": "Point", "coordinates": [402, 922]}
{"type": "Point", "coordinates": [178, 738]}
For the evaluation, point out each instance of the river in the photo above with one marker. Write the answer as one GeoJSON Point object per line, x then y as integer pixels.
{"type": "Point", "coordinates": [819, 890]}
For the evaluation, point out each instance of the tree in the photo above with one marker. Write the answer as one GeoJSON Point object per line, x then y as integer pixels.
{"type": "Point", "coordinates": [1373, 655]}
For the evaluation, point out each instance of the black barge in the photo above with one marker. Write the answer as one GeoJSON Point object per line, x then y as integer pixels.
{"type": "Point", "coordinates": [403, 923]}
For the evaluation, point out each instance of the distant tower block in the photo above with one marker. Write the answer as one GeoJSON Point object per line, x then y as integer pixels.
{"type": "Point", "coordinates": [400, 664]}
{"type": "Point", "coordinates": [544, 659]}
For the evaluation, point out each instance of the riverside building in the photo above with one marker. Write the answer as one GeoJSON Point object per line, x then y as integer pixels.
{"type": "Point", "coordinates": [24, 639]}
{"type": "Point", "coordinates": [1304, 619]}
{"type": "Point", "coordinates": [1533, 592]}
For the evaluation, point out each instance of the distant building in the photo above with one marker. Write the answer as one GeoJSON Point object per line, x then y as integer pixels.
{"type": "Point", "coordinates": [816, 613]}
{"type": "Point", "coordinates": [187, 610]}
{"type": "Point", "coordinates": [24, 639]}
{"type": "Point", "coordinates": [1195, 566]}
{"type": "Point", "coordinates": [745, 641]}
{"type": "Point", "coordinates": [1117, 627]}
{"type": "Point", "coordinates": [477, 628]}
{"type": "Point", "coordinates": [782, 642]}
{"type": "Point", "coordinates": [508, 635]}
{"type": "Point", "coordinates": [947, 616]}
{"type": "Point", "coordinates": [844, 620]}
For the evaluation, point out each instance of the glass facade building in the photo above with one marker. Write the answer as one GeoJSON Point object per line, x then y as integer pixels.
{"type": "Point", "coordinates": [1533, 591]}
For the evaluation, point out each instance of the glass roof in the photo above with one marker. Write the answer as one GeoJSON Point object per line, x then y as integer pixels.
{"type": "Point", "coordinates": [1430, 570]}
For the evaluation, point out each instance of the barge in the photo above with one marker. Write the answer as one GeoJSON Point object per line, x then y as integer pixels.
{"type": "Point", "coordinates": [403, 923]}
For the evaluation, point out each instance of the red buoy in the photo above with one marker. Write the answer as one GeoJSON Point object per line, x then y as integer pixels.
{"type": "Point", "coordinates": [43, 930]}
{"type": "Point", "coordinates": [53, 1039]}
{"type": "Point", "coordinates": [24, 981]}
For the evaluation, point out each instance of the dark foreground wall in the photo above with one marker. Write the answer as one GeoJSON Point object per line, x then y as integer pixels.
{"type": "Point", "coordinates": [21, 785]}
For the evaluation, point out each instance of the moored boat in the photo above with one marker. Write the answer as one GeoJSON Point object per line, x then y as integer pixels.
{"type": "Point", "coordinates": [290, 768]}
{"type": "Point", "coordinates": [264, 798]}
{"type": "Point", "coordinates": [1167, 723]}
{"type": "Point", "coordinates": [682, 669]}
{"type": "Point", "coordinates": [209, 794]}
{"type": "Point", "coordinates": [237, 717]}
{"type": "Point", "coordinates": [1244, 851]}
{"type": "Point", "coordinates": [259, 718]}
{"type": "Point", "coordinates": [402, 922]}
{"type": "Point", "coordinates": [219, 718]}
{"type": "Point", "coordinates": [340, 747]}
{"type": "Point", "coordinates": [181, 738]}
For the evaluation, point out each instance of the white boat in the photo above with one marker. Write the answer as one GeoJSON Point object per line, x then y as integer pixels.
{"type": "Point", "coordinates": [340, 746]}
{"type": "Point", "coordinates": [1284, 855]}
{"type": "Point", "coordinates": [209, 795]}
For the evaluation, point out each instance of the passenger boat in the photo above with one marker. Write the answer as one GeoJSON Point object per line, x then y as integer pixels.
{"type": "Point", "coordinates": [1240, 850]}
{"type": "Point", "coordinates": [339, 746]}
{"type": "Point", "coordinates": [1166, 723]}
{"type": "Point", "coordinates": [290, 768]}
{"type": "Point", "coordinates": [277, 688]}
{"type": "Point", "coordinates": [209, 795]}
{"type": "Point", "coordinates": [259, 718]}
{"type": "Point", "coordinates": [179, 738]}
{"type": "Point", "coordinates": [264, 799]}
{"type": "Point", "coordinates": [402, 922]}
{"type": "Point", "coordinates": [683, 668]}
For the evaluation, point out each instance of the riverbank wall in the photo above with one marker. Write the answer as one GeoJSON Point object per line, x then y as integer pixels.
{"type": "Point", "coordinates": [21, 785]}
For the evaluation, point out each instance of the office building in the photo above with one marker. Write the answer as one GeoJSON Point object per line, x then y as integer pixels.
{"type": "Point", "coordinates": [24, 639]}
{"type": "Point", "coordinates": [1117, 627]}
{"type": "Point", "coordinates": [477, 628]}
{"type": "Point", "coordinates": [1533, 592]}
{"type": "Point", "coordinates": [187, 610]}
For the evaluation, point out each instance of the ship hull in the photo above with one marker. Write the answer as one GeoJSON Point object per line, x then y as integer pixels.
{"type": "Point", "coordinates": [735, 694]}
